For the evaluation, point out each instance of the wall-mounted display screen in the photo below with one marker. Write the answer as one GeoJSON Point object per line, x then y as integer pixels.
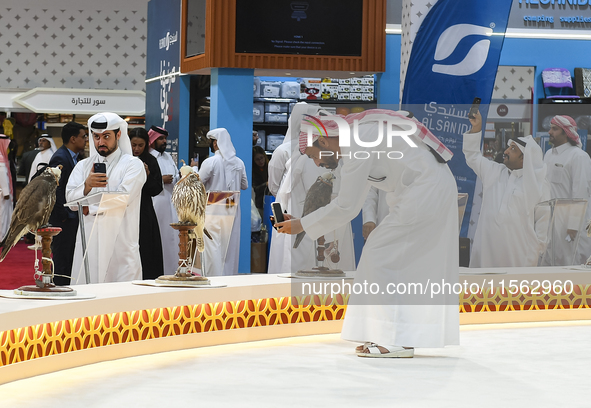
{"type": "Point", "coordinates": [313, 27]}
{"type": "Point", "coordinates": [195, 28]}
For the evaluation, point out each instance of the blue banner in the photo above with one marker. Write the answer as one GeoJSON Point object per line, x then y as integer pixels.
{"type": "Point", "coordinates": [454, 58]}
{"type": "Point", "coordinates": [163, 66]}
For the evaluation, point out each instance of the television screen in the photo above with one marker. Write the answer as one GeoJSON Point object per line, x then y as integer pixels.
{"type": "Point", "coordinates": [313, 27]}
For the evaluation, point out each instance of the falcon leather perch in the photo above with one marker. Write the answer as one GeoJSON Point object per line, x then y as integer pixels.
{"type": "Point", "coordinates": [189, 199]}
{"type": "Point", "coordinates": [44, 285]}
{"type": "Point", "coordinates": [33, 207]}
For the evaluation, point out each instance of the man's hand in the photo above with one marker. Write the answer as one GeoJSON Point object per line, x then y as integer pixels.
{"type": "Point", "coordinates": [85, 210]}
{"type": "Point", "coordinates": [94, 180]}
{"type": "Point", "coordinates": [476, 123]}
{"type": "Point", "coordinates": [290, 226]}
{"type": "Point", "coordinates": [194, 163]}
{"type": "Point", "coordinates": [147, 169]}
{"type": "Point", "coordinates": [167, 179]}
{"type": "Point", "coordinates": [367, 228]}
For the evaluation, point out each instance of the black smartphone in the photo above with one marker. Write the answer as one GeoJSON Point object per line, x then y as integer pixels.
{"type": "Point", "coordinates": [474, 108]}
{"type": "Point", "coordinates": [100, 168]}
{"type": "Point", "coordinates": [277, 212]}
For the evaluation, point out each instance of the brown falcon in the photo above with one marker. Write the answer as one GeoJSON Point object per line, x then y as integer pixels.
{"type": "Point", "coordinates": [189, 199]}
{"type": "Point", "coordinates": [317, 197]}
{"type": "Point", "coordinates": [33, 207]}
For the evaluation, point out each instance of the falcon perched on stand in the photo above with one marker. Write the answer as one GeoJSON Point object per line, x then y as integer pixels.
{"type": "Point", "coordinates": [189, 199]}
{"type": "Point", "coordinates": [33, 207]}
{"type": "Point", "coordinates": [317, 197]}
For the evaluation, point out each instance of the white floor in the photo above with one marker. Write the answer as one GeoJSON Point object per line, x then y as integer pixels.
{"type": "Point", "coordinates": [501, 366]}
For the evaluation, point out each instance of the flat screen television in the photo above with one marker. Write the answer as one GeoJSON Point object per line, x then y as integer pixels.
{"type": "Point", "coordinates": [313, 27]}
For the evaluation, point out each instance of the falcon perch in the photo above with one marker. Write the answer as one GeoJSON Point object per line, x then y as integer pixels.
{"type": "Point", "coordinates": [317, 197]}
{"type": "Point", "coordinates": [33, 207]}
{"type": "Point", "coordinates": [189, 199]}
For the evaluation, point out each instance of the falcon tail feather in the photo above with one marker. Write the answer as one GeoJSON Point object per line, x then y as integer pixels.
{"type": "Point", "coordinates": [299, 238]}
{"type": "Point", "coordinates": [11, 238]}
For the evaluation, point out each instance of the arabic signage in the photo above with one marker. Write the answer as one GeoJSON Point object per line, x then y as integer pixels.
{"type": "Point", "coordinates": [551, 14]}
{"type": "Point", "coordinates": [83, 101]}
{"type": "Point", "coordinates": [163, 67]}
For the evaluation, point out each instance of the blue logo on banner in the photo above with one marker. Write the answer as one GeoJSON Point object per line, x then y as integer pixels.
{"type": "Point", "coordinates": [454, 59]}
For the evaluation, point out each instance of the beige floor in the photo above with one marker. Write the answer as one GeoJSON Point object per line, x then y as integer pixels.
{"type": "Point", "coordinates": [501, 366]}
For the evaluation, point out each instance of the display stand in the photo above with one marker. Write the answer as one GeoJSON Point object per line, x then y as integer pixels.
{"type": "Point", "coordinates": [183, 275]}
{"type": "Point", "coordinates": [44, 280]}
{"type": "Point", "coordinates": [562, 216]}
{"type": "Point", "coordinates": [109, 207]}
{"type": "Point", "coordinates": [320, 270]}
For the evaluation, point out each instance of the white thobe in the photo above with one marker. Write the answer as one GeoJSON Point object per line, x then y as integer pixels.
{"type": "Point", "coordinates": [166, 213]}
{"type": "Point", "coordinates": [510, 232]}
{"type": "Point", "coordinates": [5, 205]}
{"type": "Point", "coordinates": [43, 156]}
{"type": "Point", "coordinates": [277, 166]}
{"type": "Point", "coordinates": [416, 241]}
{"type": "Point", "coordinates": [223, 253]}
{"type": "Point", "coordinates": [117, 258]}
{"type": "Point", "coordinates": [569, 174]}
{"type": "Point", "coordinates": [375, 207]}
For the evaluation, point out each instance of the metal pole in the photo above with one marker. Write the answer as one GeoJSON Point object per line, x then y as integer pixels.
{"type": "Point", "coordinates": [83, 238]}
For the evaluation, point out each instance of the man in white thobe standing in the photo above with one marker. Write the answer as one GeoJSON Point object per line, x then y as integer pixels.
{"type": "Point", "coordinates": [223, 171]}
{"type": "Point", "coordinates": [113, 251]}
{"type": "Point", "coordinates": [165, 212]}
{"type": "Point", "coordinates": [569, 173]}
{"type": "Point", "coordinates": [510, 231]}
{"type": "Point", "coordinates": [417, 241]}
{"type": "Point", "coordinates": [47, 148]}
{"type": "Point", "coordinates": [291, 175]}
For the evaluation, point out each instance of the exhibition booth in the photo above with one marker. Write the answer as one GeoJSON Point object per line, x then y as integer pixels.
{"type": "Point", "coordinates": [204, 72]}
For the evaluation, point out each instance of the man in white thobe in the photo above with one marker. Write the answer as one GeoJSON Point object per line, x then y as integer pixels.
{"type": "Point", "coordinates": [165, 212]}
{"type": "Point", "coordinates": [510, 231]}
{"type": "Point", "coordinates": [569, 173]}
{"type": "Point", "coordinates": [295, 179]}
{"type": "Point", "coordinates": [223, 171]}
{"type": "Point", "coordinates": [47, 148]}
{"type": "Point", "coordinates": [112, 234]}
{"type": "Point", "coordinates": [416, 242]}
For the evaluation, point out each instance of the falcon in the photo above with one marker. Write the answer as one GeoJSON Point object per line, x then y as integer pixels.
{"type": "Point", "coordinates": [33, 207]}
{"type": "Point", "coordinates": [317, 197]}
{"type": "Point", "coordinates": [189, 199]}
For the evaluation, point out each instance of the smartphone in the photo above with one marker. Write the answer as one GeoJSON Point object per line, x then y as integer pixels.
{"type": "Point", "coordinates": [277, 212]}
{"type": "Point", "coordinates": [474, 108]}
{"type": "Point", "coordinates": [100, 168]}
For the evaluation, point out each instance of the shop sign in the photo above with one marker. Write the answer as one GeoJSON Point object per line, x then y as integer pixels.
{"type": "Point", "coordinates": [551, 14]}
{"type": "Point", "coordinates": [83, 101]}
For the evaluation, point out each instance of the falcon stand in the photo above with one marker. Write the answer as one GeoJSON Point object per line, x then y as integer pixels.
{"type": "Point", "coordinates": [183, 275]}
{"type": "Point", "coordinates": [44, 280]}
{"type": "Point", "coordinates": [320, 270]}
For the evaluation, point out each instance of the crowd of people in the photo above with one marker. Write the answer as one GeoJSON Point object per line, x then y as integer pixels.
{"type": "Point", "coordinates": [513, 229]}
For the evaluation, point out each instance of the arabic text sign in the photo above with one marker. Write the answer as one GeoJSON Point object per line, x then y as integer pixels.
{"type": "Point", "coordinates": [83, 101]}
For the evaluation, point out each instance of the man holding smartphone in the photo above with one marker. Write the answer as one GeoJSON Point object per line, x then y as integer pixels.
{"type": "Point", "coordinates": [113, 247]}
{"type": "Point", "coordinates": [510, 232]}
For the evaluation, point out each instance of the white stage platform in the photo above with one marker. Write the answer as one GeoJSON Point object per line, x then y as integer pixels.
{"type": "Point", "coordinates": [123, 320]}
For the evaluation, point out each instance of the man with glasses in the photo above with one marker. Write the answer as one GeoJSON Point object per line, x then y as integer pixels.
{"type": "Point", "coordinates": [74, 141]}
{"type": "Point", "coordinates": [510, 232]}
